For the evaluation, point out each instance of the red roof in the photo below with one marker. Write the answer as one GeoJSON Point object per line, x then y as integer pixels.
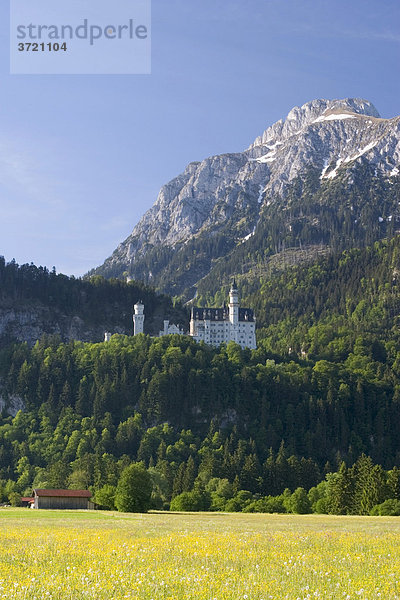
{"type": "Point", "coordinates": [63, 493]}
{"type": "Point", "coordinates": [27, 499]}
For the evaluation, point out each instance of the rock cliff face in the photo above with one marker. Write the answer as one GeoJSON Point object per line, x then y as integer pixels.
{"type": "Point", "coordinates": [28, 324]}
{"type": "Point", "coordinates": [10, 405]}
{"type": "Point", "coordinates": [234, 189]}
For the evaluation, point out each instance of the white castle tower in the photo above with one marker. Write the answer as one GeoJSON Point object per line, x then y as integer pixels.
{"type": "Point", "coordinates": [234, 312]}
{"type": "Point", "coordinates": [138, 318]}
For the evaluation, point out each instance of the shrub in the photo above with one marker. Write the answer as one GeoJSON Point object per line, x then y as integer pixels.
{"type": "Point", "coordinates": [105, 497]}
{"type": "Point", "coordinates": [321, 506]}
{"type": "Point", "coordinates": [191, 501]}
{"type": "Point", "coordinates": [298, 502]}
{"type": "Point", "coordinates": [134, 487]}
{"type": "Point", "coordinates": [14, 499]}
{"type": "Point", "coordinates": [239, 502]}
{"type": "Point", "coordinates": [268, 504]}
{"type": "Point", "coordinates": [389, 508]}
{"type": "Point", "coordinates": [317, 497]}
{"type": "Point", "coordinates": [221, 490]}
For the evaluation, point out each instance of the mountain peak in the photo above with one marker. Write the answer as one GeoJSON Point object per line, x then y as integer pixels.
{"type": "Point", "coordinates": [302, 116]}
{"type": "Point", "coordinates": [317, 108]}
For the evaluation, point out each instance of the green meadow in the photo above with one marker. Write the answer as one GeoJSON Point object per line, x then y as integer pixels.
{"type": "Point", "coordinates": [111, 556]}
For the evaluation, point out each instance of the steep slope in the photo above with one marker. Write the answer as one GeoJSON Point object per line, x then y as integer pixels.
{"type": "Point", "coordinates": [341, 304]}
{"type": "Point", "coordinates": [217, 204]}
{"type": "Point", "coordinates": [356, 208]}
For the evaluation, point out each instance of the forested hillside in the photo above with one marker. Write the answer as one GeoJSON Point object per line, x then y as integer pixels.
{"type": "Point", "coordinates": [320, 310]}
{"type": "Point", "coordinates": [34, 300]}
{"type": "Point", "coordinates": [189, 411]}
{"type": "Point", "coordinates": [323, 387]}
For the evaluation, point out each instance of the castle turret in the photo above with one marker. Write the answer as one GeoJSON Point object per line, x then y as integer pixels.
{"type": "Point", "coordinates": [138, 318]}
{"type": "Point", "coordinates": [233, 304]}
{"type": "Point", "coordinates": [234, 311]}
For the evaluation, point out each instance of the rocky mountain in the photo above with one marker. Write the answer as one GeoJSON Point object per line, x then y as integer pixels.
{"type": "Point", "coordinates": [325, 152]}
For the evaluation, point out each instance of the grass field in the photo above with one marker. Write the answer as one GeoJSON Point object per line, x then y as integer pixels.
{"type": "Point", "coordinates": [105, 556]}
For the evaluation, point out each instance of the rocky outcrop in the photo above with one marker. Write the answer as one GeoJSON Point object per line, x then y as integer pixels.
{"type": "Point", "coordinates": [327, 134]}
{"type": "Point", "coordinates": [28, 324]}
{"type": "Point", "coordinates": [10, 405]}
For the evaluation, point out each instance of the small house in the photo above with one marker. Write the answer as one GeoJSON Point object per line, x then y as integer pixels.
{"type": "Point", "coordinates": [26, 501]}
{"type": "Point", "coordinates": [62, 499]}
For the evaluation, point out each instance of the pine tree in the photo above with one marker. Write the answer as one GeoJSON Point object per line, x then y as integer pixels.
{"type": "Point", "coordinates": [177, 487]}
{"type": "Point", "coordinates": [341, 490]}
{"type": "Point", "coordinates": [393, 483]}
{"type": "Point", "coordinates": [369, 485]}
{"type": "Point", "coordinates": [250, 474]}
{"type": "Point", "coordinates": [189, 475]}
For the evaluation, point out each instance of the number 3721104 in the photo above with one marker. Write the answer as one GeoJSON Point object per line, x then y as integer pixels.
{"type": "Point", "coordinates": [42, 47]}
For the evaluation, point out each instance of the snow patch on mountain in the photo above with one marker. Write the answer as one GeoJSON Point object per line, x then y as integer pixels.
{"type": "Point", "coordinates": [332, 174]}
{"type": "Point", "coordinates": [266, 158]}
{"type": "Point", "coordinates": [361, 152]}
{"type": "Point", "coordinates": [260, 193]}
{"type": "Point", "coordinates": [248, 236]}
{"type": "Point", "coordinates": [334, 117]}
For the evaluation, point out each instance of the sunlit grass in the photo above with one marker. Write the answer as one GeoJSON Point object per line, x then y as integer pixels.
{"type": "Point", "coordinates": [105, 556]}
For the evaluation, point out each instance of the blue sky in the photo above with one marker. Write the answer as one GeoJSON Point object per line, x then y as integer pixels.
{"type": "Point", "coordinates": [83, 157]}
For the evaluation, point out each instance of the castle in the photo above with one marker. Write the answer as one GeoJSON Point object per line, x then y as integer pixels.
{"type": "Point", "coordinates": [212, 325]}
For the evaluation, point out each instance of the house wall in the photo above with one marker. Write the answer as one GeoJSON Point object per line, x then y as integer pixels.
{"type": "Point", "coordinates": [60, 502]}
